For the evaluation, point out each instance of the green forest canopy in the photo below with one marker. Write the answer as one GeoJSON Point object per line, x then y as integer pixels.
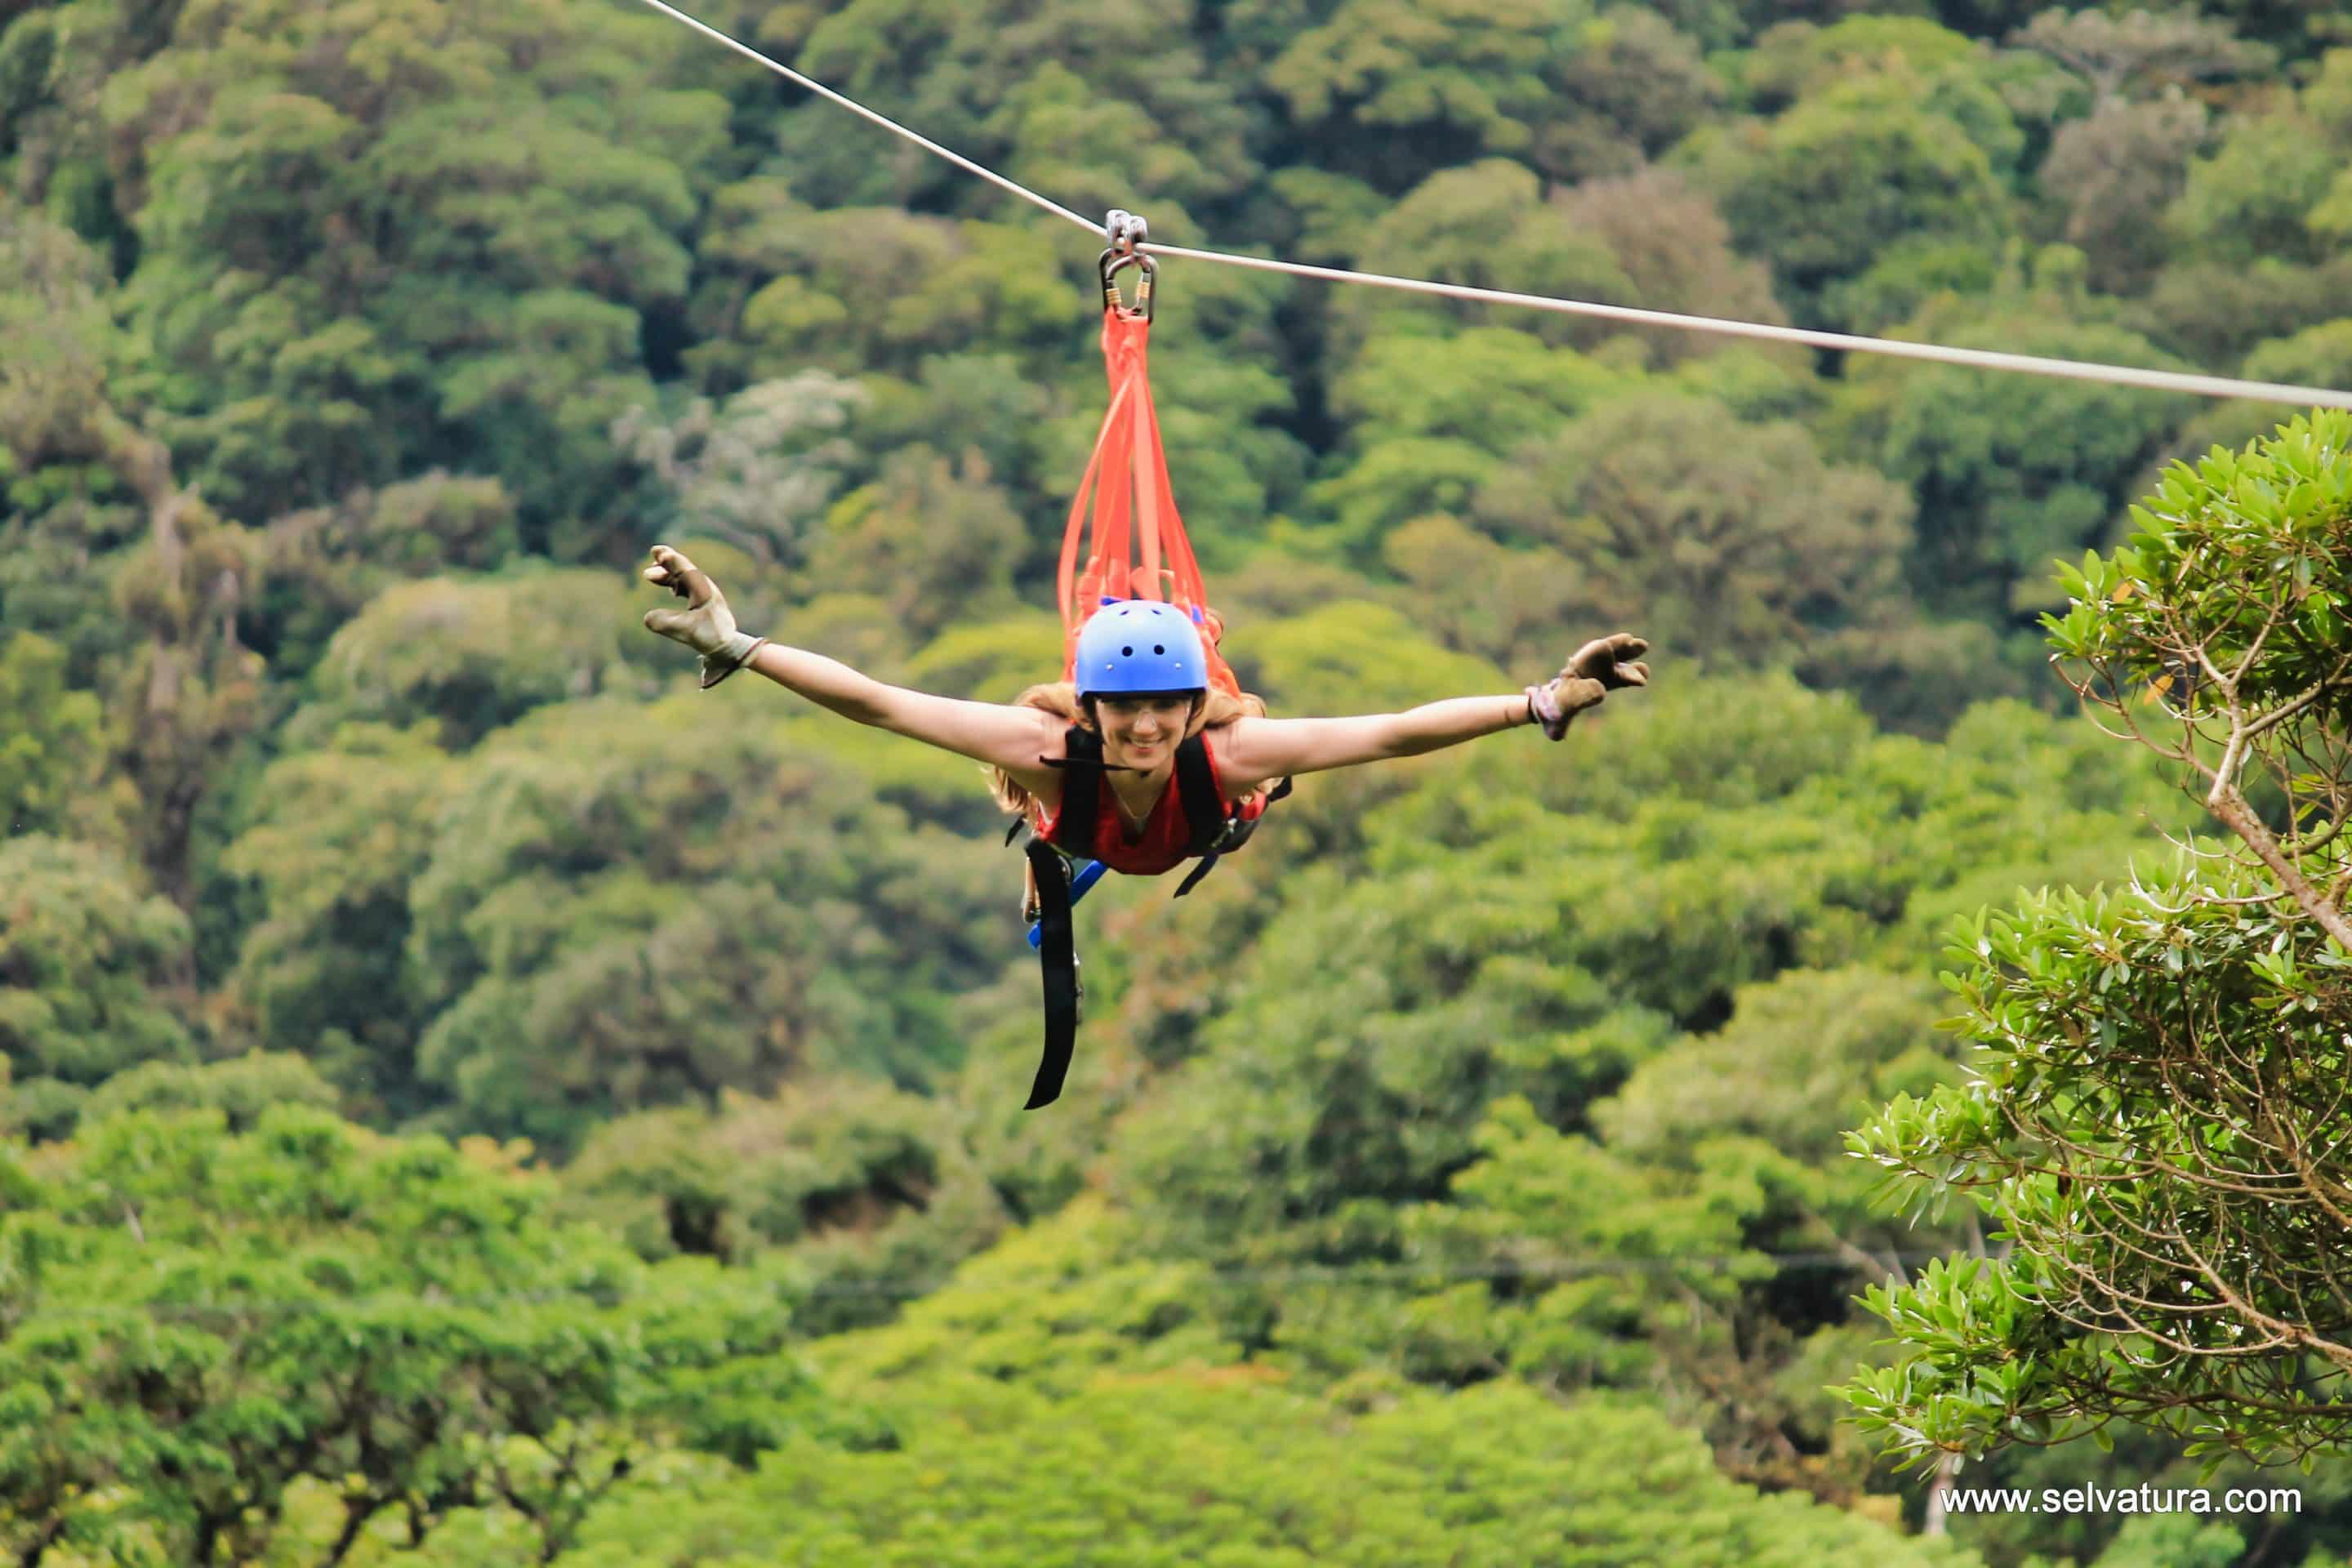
{"type": "Point", "coordinates": [406, 985]}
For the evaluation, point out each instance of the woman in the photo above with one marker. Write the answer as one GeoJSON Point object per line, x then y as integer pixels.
{"type": "Point", "coordinates": [1089, 762]}
{"type": "Point", "coordinates": [1139, 706]}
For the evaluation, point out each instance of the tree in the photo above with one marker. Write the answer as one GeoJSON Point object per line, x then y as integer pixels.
{"type": "Point", "coordinates": [2010, 470]}
{"type": "Point", "coordinates": [2274, 190]}
{"type": "Point", "coordinates": [633, 904]}
{"type": "Point", "coordinates": [194, 1322]}
{"type": "Point", "coordinates": [937, 542]}
{"type": "Point", "coordinates": [1485, 224]}
{"type": "Point", "coordinates": [187, 689]}
{"type": "Point", "coordinates": [1675, 250]}
{"type": "Point", "coordinates": [88, 958]}
{"type": "Point", "coordinates": [1586, 913]}
{"type": "Point", "coordinates": [340, 833]}
{"type": "Point", "coordinates": [2111, 170]}
{"type": "Point", "coordinates": [50, 742]}
{"type": "Point", "coordinates": [1392, 93]}
{"type": "Point", "coordinates": [1266, 1475]}
{"type": "Point", "coordinates": [862, 1193]}
{"type": "Point", "coordinates": [465, 657]}
{"type": "Point", "coordinates": [758, 472]}
{"type": "Point", "coordinates": [322, 566]}
{"type": "Point", "coordinates": [1734, 543]}
{"type": "Point", "coordinates": [1008, 83]}
{"type": "Point", "coordinates": [392, 237]}
{"type": "Point", "coordinates": [2139, 54]}
{"type": "Point", "coordinates": [1852, 171]}
{"type": "Point", "coordinates": [2157, 1124]}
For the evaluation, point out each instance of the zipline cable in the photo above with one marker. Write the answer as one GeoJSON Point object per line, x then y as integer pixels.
{"type": "Point", "coordinates": [925, 142]}
{"type": "Point", "coordinates": [1986, 359]}
{"type": "Point", "coordinates": [1983, 359]}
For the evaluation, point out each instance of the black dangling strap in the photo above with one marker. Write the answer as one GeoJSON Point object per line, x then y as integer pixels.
{"type": "Point", "coordinates": [1059, 958]}
{"type": "Point", "coordinates": [1208, 863]}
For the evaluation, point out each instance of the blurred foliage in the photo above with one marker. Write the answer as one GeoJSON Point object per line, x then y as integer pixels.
{"type": "Point", "coordinates": [199, 1320]}
{"type": "Point", "coordinates": [1489, 1105]}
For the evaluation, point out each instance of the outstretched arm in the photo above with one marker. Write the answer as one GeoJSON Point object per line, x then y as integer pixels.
{"type": "Point", "coordinates": [1261, 749]}
{"type": "Point", "coordinates": [1002, 735]}
{"type": "Point", "coordinates": [1009, 737]}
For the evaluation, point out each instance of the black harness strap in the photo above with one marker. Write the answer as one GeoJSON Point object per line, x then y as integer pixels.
{"type": "Point", "coordinates": [1211, 831]}
{"type": "Point", "coordinates": [1231, 836]}
{"type": "Point", "coordinates": [1058, 957]}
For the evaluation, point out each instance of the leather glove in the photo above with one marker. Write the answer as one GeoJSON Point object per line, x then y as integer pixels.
{"type": "Point", "coordinates": [1599, 667]}
{"type": "Point", "coordinates": [706, 625]}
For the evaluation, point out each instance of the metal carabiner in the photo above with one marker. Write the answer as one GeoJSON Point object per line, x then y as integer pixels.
{"type": "Point", "coordinates": [1125, 230]}
{"type": "Point", "coordinates": [1109, 270]}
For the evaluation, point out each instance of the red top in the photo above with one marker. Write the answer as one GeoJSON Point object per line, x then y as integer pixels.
{"type": "Point", "coordinates": [1166, 839]}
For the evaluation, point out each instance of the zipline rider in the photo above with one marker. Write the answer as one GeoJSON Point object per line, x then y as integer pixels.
{"type": "Point", "coordinates": [1088, 763]}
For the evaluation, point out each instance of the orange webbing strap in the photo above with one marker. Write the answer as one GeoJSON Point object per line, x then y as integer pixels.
{"type": "Point", "coordinates": [1126, 481]}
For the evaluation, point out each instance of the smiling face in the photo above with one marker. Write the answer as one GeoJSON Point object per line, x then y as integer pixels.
{"type": "Point", "coordinates": [1142, 732]}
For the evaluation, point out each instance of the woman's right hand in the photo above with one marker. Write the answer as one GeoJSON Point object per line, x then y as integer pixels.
{"type": "Point", "coordinates": [706, 625]}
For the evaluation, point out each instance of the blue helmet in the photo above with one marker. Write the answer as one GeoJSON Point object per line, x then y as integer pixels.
{"type": "Point", "coordinates": [1134, 646]}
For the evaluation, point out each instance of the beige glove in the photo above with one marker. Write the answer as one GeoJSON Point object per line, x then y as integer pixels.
{"type": "Point", "coordinates": [706, 625]}
{"type": "Point", "coordinates": [1599, 667]}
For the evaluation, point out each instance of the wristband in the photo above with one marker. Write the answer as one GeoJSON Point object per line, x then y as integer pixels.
{"type": "Point", "coordinates": [738, 652]}
{"type": "Point", "coordinates": [1542, 710]}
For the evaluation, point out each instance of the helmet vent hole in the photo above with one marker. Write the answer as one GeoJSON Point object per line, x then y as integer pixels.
{"type": "Point", "coordinates": [1128, 651]}
{"type": "Point", "coordinates": [1157, 648]}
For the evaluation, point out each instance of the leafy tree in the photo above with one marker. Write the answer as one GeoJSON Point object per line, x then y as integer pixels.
{"type": "Point", "coordinates": [88, 963]}
{"type": "Point", "coordinates": [1800, 55]}
{"type": "Point", "coordinates": [471, 657]}
{"type": "Point", "coordinates": [864, 1188]}
{"type": "Point", "coordinates": [1265, 1476]}
{"type": "Point", "coordinates": [2141, 53]}
{"type": "Point", "coordinates": [757, 473]}
{"type": "Point", "coordinates": [195, 1322]}
{"type": "Point", "coordinates": [391, 236]}
{"type": "Point", "coordinates": [1675, 250]}
{"type": "Point", "coordinates": [1014, 84]}
{"type": "Point", "coordinates": [2316, 356]}
{"type": "Point", "coordinates": [2011, 470]}
{"type": "Point", "coordinates": [2156, 1122]}
{"type": "Point", "coordinates": [2274, 189]}
{"type": "Point", "coordinates": [937, 542]}
{"type": "Point", "coordinates": [1851, 171]}
{"type": "Point", "coordinates": [2215, 314]}
{"type": "Point", "coordinates": [185, 688]}
{"type": "Point", "coordinates": [864, 291]}
{"type": "Point", "coordinates": [242, 1089]}
{"type": "Point", "coordinates": [2113, 169]}
{"type": "Point", "coordinates": [1587, 908]}
{"type": "Point", "coordinates": [1485, 224]}
{"type": "Point", "coordinates": [322, 566]}
{"type": "Point", "coordinates": [1731, 544]}
{"type": "Point", "coordinates": [341, 834]}
{"type": "Point", "coordinates": [630, 905]}
{"type": "Point", "coordinates": [1433, 419]}
{"type": "Point", "coordinates": [50, 742]}
{"type": "Point", "coordinates": [1392, 93]}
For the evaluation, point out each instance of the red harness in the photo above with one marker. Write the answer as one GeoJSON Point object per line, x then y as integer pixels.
{"type": "Point", "coordinates": [1133, 508]}
{"type": "Point", "coordinates": [1169, 834]}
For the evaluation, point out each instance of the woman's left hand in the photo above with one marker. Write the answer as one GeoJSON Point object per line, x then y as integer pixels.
{"type": "Point", "coordinates": [1609, 660]}
{"type": "Point", "coordinates": [1599, 667]}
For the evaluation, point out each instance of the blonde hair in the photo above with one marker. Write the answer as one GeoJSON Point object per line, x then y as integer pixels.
{"type": "Point", "coordinates": [1060, 698]}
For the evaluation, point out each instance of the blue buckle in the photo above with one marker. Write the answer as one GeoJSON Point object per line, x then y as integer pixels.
{"type": "Point", "coordinates": [1088, 873]}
